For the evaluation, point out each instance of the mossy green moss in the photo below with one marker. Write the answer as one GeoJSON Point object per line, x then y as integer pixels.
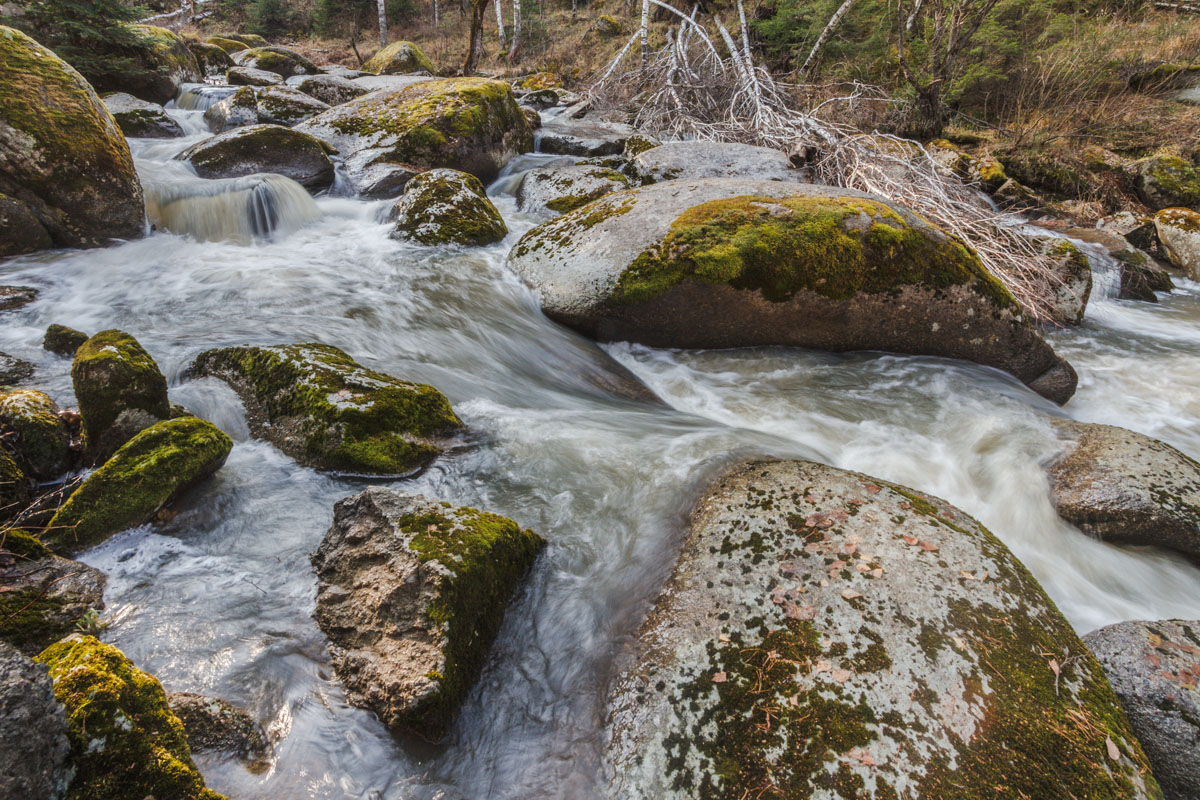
{"type": "Point", "coordinates": [279, 60]}
{"type": "Point", "coordinates": [1166, 179]}
{"type": "Point", "coordinates": [322, 408]}
{"type": "Point", "coordinates": [39, 437]}
{"type": "Point", "coordinates": [125, 742]}
{"type": "Point", "coordinates": [22, 543]}
{"type": "Point", "coordinates": [112, 374]}
{"type": "Point", "coordinates": [63, 340]}
{"type": "Point", "coordinates": [608, 25]}
{"type": "Point", "coordinates": [147, 472]}
{"type": "Point", "coordinates": [14, 486]}
{"type": "Point", "coordinates": [31, 620]}
{"type": "Point", "coordinates": [230, 46]}
{"type": "Point", "coordinates": [399, 58]}
{"type": "Point", "coordinates": [211, 58]}
{"type": "Point", "coordinates": [444, 206]}
{"type": "Point", "coordinates": [540, 80]}
{"type": "Point", "coordinates": [248, 39]}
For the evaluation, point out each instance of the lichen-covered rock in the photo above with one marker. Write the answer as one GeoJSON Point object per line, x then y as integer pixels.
{"type": "Point", "coordinates": [689, 160]}
{"type": "Point", "coordinates": [572, 137]}
{"type": "Point", "coordinates": [248, 76]}
{"type": "Point", "coordinates": [1073, 272]}
{"type": "Point", "coordinates": [469, 124]}
{"type": "Point", "coordinates": [411, 593]}
{"type": "Point", "coordinates": [825, 634]}
{"type": "Point", "coordinates": [319, 406]}
{"type": "Point", "coordinates": [119, 389]}
{"type": "Point", "coordinates": [35, 432]}
{"type": "Point", "coordinates": [213, 725]}
{"type": "Point", "coordinates": [23, 233]}
{"type": "Point", "coordinates": [247, 39]}
{"type": "Point", "coordinates": [43, 595]}
{"type": "Point", "coordinates": [263, 148]}
{"type": "Point", "coordinates": [125, 742]}
{"type": "Point", "coordinates": [162, 67]}
{"type": "Point", "coordinates": [726, 262]}
{"type": "Point", "coordinates": [146, 474]}
{"type": "Point", "coordinates": [14, 486]}
{"type": "Point", "coordinates": [1165, 180]}
{"type": "Point", "coordinates": [63, 160]}
{"type": "Point", "coordinates": [541, 99]}
{"type": "Point", "coordinates": [283, 105]}
{"type": "Point", "coordinates": [230, 46]}
{"type": "Point", "coordinates": [399, 58]}
{"type": "Point", "coordinates": [444, 206]}
{"type": "Point", "coordinates": [62, 340]}
{"type": "Point", "coordinates": [1125, 487]}
{"type": "Point", "coordinates": [532, 117]}
{"type": "Point", "coordinates": [33, 728]}
{"type": "Point", "coordinates": [333, 90]}
{"type": "Point", "coordinates": [279, 60]}
{"type": "Point", "coordinates": [211, 58]}
{"type": "Point", "coordinates": [538, 81]}
{"type": "Point", "coordinates": [138, 118]}
{"type": "Point", "coordinates": [14, 297]}
{"type": "Point", "coordinates": [563, 189]}
{"type": "Point", "coordinates": [1154, 667]}
{"type": "Point", "coordinates": [234, 111]}
{"type": "Point", "coordinates": [1179, 233]}
{"type": "Point", "coordinates": [13, 370]}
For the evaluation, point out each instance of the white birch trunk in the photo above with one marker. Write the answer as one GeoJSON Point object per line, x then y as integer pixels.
{"type": "Point", "coordinates": [516, 30]}
{"type": "Point", "coordinates": [435, 13]}
{"type": "Point", "coordinates": [382, 23]}
{"type": "Point", "coordinates": [644, 33]}
{"type": "Point", "coordinates": [837, 17]}
{"type": "Point", "coordinates": [500, 21]}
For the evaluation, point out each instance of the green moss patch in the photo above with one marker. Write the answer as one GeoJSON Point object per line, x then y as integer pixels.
{"type": "Point", "coordinates": [112, 374]}
{"type": "Point", "coordinates": [399, 58]}
{"type": "Point", "coordinates": [39, 437]}
{"type": "Point", "coordinates": [445, 206]}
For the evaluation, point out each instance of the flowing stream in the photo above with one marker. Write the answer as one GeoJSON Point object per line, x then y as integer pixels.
{"type": "Point", "coordinates": [218, 599]}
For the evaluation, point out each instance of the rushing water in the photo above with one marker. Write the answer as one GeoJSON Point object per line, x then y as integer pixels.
{"type": "Point", "coordinates": [218, 600]}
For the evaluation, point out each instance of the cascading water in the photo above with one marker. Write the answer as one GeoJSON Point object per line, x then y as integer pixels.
{"type": "Point", "coordinates": [218, 600]}
{"type": "Point", "coordinates": [240, 210]}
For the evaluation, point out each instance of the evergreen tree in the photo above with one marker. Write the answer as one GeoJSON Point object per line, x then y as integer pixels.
{"type": "Point", "coordinates": [93, 36]}
{"type": "Point", "coordinates": [268, 18]}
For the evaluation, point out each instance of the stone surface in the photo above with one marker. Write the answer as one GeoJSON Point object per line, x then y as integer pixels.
{"type": "Point", "coordinates": [14, 297]}
{"type": "Point", "coordinates": [213, 725]}
{"type": "Point", "coordinates": [411, 593]}
{"type": "Point", "coordinates": [283, 105]}
{"type": "Point", "coordinates": [689, 160]}
{"type": "Point", "coordinates": [332, 90]}
{"type": "Point", "coordinates": [13, 370]}
{"type": "Point", "coordinates": [34, 432]}
{"type": "Point", "coordinates": [279, 60]}
{"type": "Point", "coordinates": [828, 635]}
{"type": "Point", "coordinates": [23, 233]}
{"type": "Point", "coordinates": [159, 70]}
{"type": "Point", "coordinates": [582, 137]}
{"type": "Point", "coordinates": [563, 189]}
{"type": "Point", "coordinates": [248, 76]}
{"type": "Point", "coordinates": [1179, 233]}
{"type": "Point", "coordinates": [726, 262]}
{"type": "Point", "coordinates": [444, 206]}
{"type": "Point", "coordinates": [399, 58]}
{"type": "Point", "coordinates": [1165, 179]}
{"type": "Point", "coordinates": [140, 119]}
{"type": "Point", "coordinates": [43, 595]}
{"type": "Point", "coordinates": [62, 340]}
{"type": "Point", "coordinates": [33, 728]}
{"type": "Point", "coordinates": [234, 111]}
{"type": "Point", "coordinates": [1073, 271]}
{"type": "Point", "coordinates": [211, 58]}
{"type": "Point", "coordinates": [263, 148]}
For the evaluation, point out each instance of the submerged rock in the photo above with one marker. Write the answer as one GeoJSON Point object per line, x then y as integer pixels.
{"type": "Point", "coordinates": [690, 160]}
{"type": "Point", "coordinates": [138, 118]}
{"type": "Point", "coordinates": [1127, 488]}
{"type": "Point", "coordinates": [279, 60]}
{"type": "Point", "coordinates": [399, 58]}
{"type": "Point", "coordinates": [737, 263]}
{"type": "Point", "coordinates": [263, 148]}
{"type": "Point", "coordinates": [62, 340]}
{"type": "Point", "coordinates": [444, 206]}
{"type": "Point", "coordinates": [1154, 667]}
{"type": "Point", "coordinates": [322, 408]}
{"type": "Point", "coordinates": [125, 742]}
{"type": "Point", "coordinates": [213, 725]}
{"type": "Point", "coordinates": [14, 297]}
{"type": "Point", "coordinates": [248, 76]}
{"type": "Point", "coordinates": [826, 634]}
{"type": "Point", "coordinates": [44, 595]}
{"type": "Point", "coordinates": [245, 210]}
{"type": "Point", "coordinates": [332, 90]}
{"type": "Point", "coordinates": [33, 728]}
{"type": "Point", "coordinates": [411, 594]}
{"type": "Point", "coordinates": [13, 370]}
{"type": "Point", "coordinates": [33, 430]}
{"type": "Point", "coordinates": [1179, 233]}
{"type": "Point", "coordinates": [564, 189]}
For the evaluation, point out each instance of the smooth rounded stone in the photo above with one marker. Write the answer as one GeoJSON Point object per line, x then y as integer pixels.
{"type": "Point", "coordinates": [470, 124]}
{"type": "Point", "coordinates": [43, 595]}
{"type": "Point", "coordinates": [283, 105]}
{"type": "Point", "coordinates": [1073, 271]}
{"type": "Point", "coordinates": [63, 341]}
{"type": "Point", "coordinates": [411, 593]}
{"type": "Point", "coordinates": [14, 297]}
{"type": "Point", "coordinates": [383, 181]}
{"type": "Point", "coordinates": [399, 58]}
{"type": "Point", "coordinates": [212, 59]}
{"type": "Point", "coordinates": [248, 76]}
{"type": "Point", "coordinates": [538, 80]}
{"type": "Point", "coordinates": [582, 137]}
{"type": "Point", "coordinates": [564, 189]}
{"type": "Point", "coordinates": [213, 725]}
{"type": "Point", "coordinates": [75, 175]}
{"type": "Point", "coordinates": [279, 60]}
{"type": "Point", "coordinates": [33, 728]}
{"type": "Point", "coordinates": [1165, 180]}
{"type": "Point", "coordinates": [444, 206]}
{"type": "Point", "coordinates": [826, 634]}
{"type": "Point", "coordinates": [160, 69]}
{"type": "Point", "coordinates": [1154, 667]}
{"type": "Point", "coordinates": [1179, 233]}
{"type": "Point", "coordinates": [14, 370]}
{"type": "Point", "coordinates": [1126, 488]}
{"type": "Point", "coordinates": [263, 148]}
{"type": "Point", "coordinates": [139, 119]}
{"type": "Point", "coordinates": [690, 160]}
{"type": "Point", "coordinates": [679, 264]}
{"type": "Point", "coordinates": [325, 410]}
{"type": "Point", "coordinates": [230, 46]}
{"type": "Point", "coordinates": [247, 39]}
{"type": "Point", "coordinates": [125, 742]}
{"type": "Point", "coordinates": [237, 110]}
{"type": "Point", "coordinates": [329, 89]}
{"type": "Point", "coordinates": [149, 472]}
{"type": "Point", "coordinates": [35, 432]}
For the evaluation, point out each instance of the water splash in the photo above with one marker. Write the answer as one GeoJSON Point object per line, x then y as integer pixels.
{"type": "Point", "coordinates": [240, 210]}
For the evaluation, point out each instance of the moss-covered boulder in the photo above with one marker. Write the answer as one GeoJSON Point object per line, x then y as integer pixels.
{"type": "Point", "coordinates": [248, 39]}
{"type": "Point", "coordinates": [211, 58]}
{"type": "Point", "coordinates": [33, 727]}
{"type": "Point", "coordinates": [35, 432]}
{"type": "Point", "coordinates": [411, 593]}
{"type": "Point", "coordinates": [146, 474]}
{"type": "Point", "coordinates": [399, 58]}
{"type": "Point", "coordinates": [62, 340]}
{"type": "Point", "coordinates": [688, 160]}
{"type": "Point", "coordinates": [165, 65]}
{"type": "Point", "coordinates": [332, 90]}
{"type": "Point", "coordinates": [1165, 180]}
{"type": "Point", "coordinates": [15, 486]}
{"type": "Point", "coordinates": [444, 206]}
{"type": "Point", "coordinates": [140, 119]}
{"type": "Point", "coordinates": [586, 137]}
{"type": "Point", "coordinates": [280, 60]}
{"type": "Point", "coordinates": [42, 596]}
{"type": "Point", "coordinates": [1141, 277]}
{"type": "Point", "coordinates": [119, 389]}
{"type": "Point", "coordinates": [737, 263]}
{"type": "Point", "coordinates": [263, 148]}
{"type": "Point", "coordinates": [230, 46]}
{"type": "Point", "coordinates": [322, 408]}
{"type": "Point", "coordinates": [213, 725]}
{"type": "Point", "coordinates": [563, 189]}
{"type": "Point", "coordinates": [235, 111]}
{"type": "Point", "coordinates": [469, 124]}
{"type": "Point", "coordinates": [125, 742]}
{"type": "Point", "coordinates": [283, 105]}
{"type": "Point", "coordinates": [826, 634]}
{"type": "Point", "coordinates": [538, 81]}
{"type": "Point", "coordinates": [1178, 232]}
{"type": "Point", "coordinates": [68, 165]}
{"type": "Point", "coordinates": [248, 76]}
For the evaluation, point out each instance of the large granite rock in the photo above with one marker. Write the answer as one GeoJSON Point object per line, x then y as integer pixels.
{"type": "Point", "coordinates": [399, 58]}
{"type": "Point", "coordinates": [137, 118]}
{"type": "Point", "coordinates": [279, 60]}
{"type": "Point", "coordinates": [332, 90]}
{"type": "Point", "coordinates": [35, 433]}
{"type": "Point", "coordinates": [563, 189]}
{"type": "Point", "coordinates": [690, 160]}
{"type": "Point", "coordinates": [573, 137]}
{"type": "Point", "coordinates": [284, 105]}
{"type": "Point", "coordinates": [160, 68]}
{"type": "Point", "coordinates": [1165, 179]}
{"type": "Point", "coordinates": [444, 206]}
{"type": "Point", "coordinates": [263, 148]}
{"type": "Point", "coordinates": [249, 76]}
{"type": "Point", "coordinates": [33, 729]}
{"type": "Point", "coordinates": [1179, 233]}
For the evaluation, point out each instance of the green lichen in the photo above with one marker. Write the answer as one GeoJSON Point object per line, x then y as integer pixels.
{"type": "Point", "coordinates": [1182, 219]}
{"type": "Point", "coordinates": [248, 39]}
{"type": "Point", "coordinates": [37, 434]}
{"type": "Point", "coordinates": [399, 58]}
{"type": "Point", "coordinates": [31, 620]}
{"type": "Point", "coordinates": [111, 374]}
{"type": "Point", "coordinates": [1170, 180]}
{"type": "Point", "coordinates": [145, 475]}
{"type": "Point", "coordinates": [540, 80]}
{"type": "Point", "coordinates": [14, 486]}
{"type": "Point", "coordinates": [279, 60]}
{"type": "Point", "coordinates": [448, 207]}
{"type": "Point", "coordinates": [211, 58]}
{"type": "Point", "coordinates": [22, 543]}
{"type": "Point", "coordinates": [608, 25]}
{"type": "Point", "coordinates": [230, 46]}
{"type": "Point", "coordinates": [125, 741]}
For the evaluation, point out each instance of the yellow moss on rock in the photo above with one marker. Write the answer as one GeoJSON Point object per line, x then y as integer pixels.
{"type": "Point", "coordinates": [399, 58]}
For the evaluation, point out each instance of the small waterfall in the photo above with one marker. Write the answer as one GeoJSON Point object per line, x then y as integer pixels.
{"type": "Point", "coordinates": [201, 96]}
{"type": "Point", "coordinates": [240, 210]}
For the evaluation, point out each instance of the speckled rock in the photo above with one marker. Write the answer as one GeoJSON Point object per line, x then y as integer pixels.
{"type": "Point", "coordinates": [444, 206]}
{"type": "Point", "coordinates": [1165, 179]}
{"type": "Point", "coordinates": [44, 595]}
{"type": "Point", "coordinates": [62, 340]}
{"type": "Point", "coordinates": [119, 389]}
{"type": "Point", "coordinates": [399, 58]}
{"type": "Point", "coordinates": [263, 148]}
{"type": "Point", "coordinates": [411, 593]}
{"type": "Point", "coordinates": [33, 728]}
{"type": "Point", "coordinates": [213, 725]}
{"type": "Point", "coordinates": [283, 105]}
{"type": "Point", "coordinates": [279, 60]}
{"type": "Point", "coordinates": [828, 635]}
{"type": "Point", "coordinates": [1154, 667]}
{"type": "Point", "coordinates": [23, 233]}
{"type": "Point", "coordinates": [1127, 488]}
{"type": "Point", "coordinates": [573, 137]}
{"type": "Point", "coordinates": [1073, 270]}
{"type": "Point", "coordinates": [689, 160]}
{"type": "Point", "coordinates": [1141, 277]}
{"type": "Point", "coordinates": [140, 119]}
{"type": "Point", "coordinates": [248, 76]}
{"type": "Point", "coordinates": [34, 432]}
{"type": "Point", "coordinates": [14, 297]}
{"type": "Point", "coordinates": [332, 90]}
{"type": "Point", "coordinates": [1179, 233]}
{"type": "Point", "coordinates": [234, 111]}
{"type": "Point", "coordinates": [564, 189]}
{"type": "Point", "coordinates": [726, 262]}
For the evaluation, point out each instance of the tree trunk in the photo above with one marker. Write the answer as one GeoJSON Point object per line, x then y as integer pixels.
{"type": "Point", "coordinates": [574, 8]}
{"type": "Point", "coordinates": [435, 13]}
{"type": "Point", "coordinates": [833, 21]}
{"type": "Point", "coordinates": [500, 21]}
{"type": "Point", "coordinates": [475, 45]}
{"type": "Point", "coordinates": [644, 33]}
{"type": "Point", "coordinates": [516, 31]}
{"type": "Point", "coordinates": [382, 23]}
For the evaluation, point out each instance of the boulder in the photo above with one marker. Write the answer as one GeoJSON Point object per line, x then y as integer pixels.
{"type": "Point", "coordinates": [15, 487]}
{"type": "Point", "coordinates": [319, 406]}
{"type": "Point", "coordinates": [33, 727]}
{"type": "Point", "coordinates": [140, 119]}
{"type": "Point", "coordinates": [125, 742]}
{"type": "Point", "coordinates": [691, 160]}
{"type": "Point", "coordinates": [444, 206]}
{"type": "Point", "coordinates": [411, 593]}
{"type": "Point", "coordinates": [726, 262]}
{"type": "Point", "coordinates": [33, 430]}
{"type": "Point", "coordinates": [248, 76]}
{"type": "Point", "coordinates": [213, 725]}
{"type": "Point", "coordinates": [329, 89]}
{"type": "Point", "coordinates": [280, 60]}
{"type": "Point", "coordinates": [69, 166]}
{"type": "Point", "coordinates": [1141, 277]}
{"type": "Point", "coordinates": [248, 39]}
{"type": "Point", "coordinates": [1127, 488]}
{"type": "Point", "coordinates": [119, 389]}
{"type": "Point", "coordinates": [234, 111]}
{"type": "Point", "coordinates": [826, 634]}
{"type": "Point", "coordinates": [211, 58]}
{"type": "Point", "coordinates": [263, 148]}
{"type": "Point", "coordinates": [339, 71]}
{"type": "Point", "coordinates": [230, 46]}
{"type": "Point", "coordinates": [283, 105]}
{"type": "Point", "coordinates": [1154, 667]}
{"type": "Point", "coordinates": [572, 137]}
{"type": "Point", "coordinates": [375, 83]}
{"type": "Point", "coordinates": [538, 81]}
{"type": "Point", "coordinates": [533, 117]}
{"type": "Point", "coordinates": [13, 370]}
{"type": "Point", "coordinates": [1073, 271]}
{"type": "Point", "coordinates": [161, 68]}
{"type": "Point", "coordinates": [399, 58]}
{"type": "Point", "coordinates": [43, 595]}
{"type": "Point", "coordinates": [1179, 234]}
{"type": "Point", "coordinates": [1164, 180]}
{"type": "Point", "coordinates": [14, 297]}
{"type": "Point", "coordinates": [565, 189]}
{"type": "Point", "coordinates": [62, 340]}
{"type": "Point", "coordinates": [540, 99]}
{"type": "Point", "coordinates": [144, 476]}
{"type": "Point", "coordinates": [468, 124]}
